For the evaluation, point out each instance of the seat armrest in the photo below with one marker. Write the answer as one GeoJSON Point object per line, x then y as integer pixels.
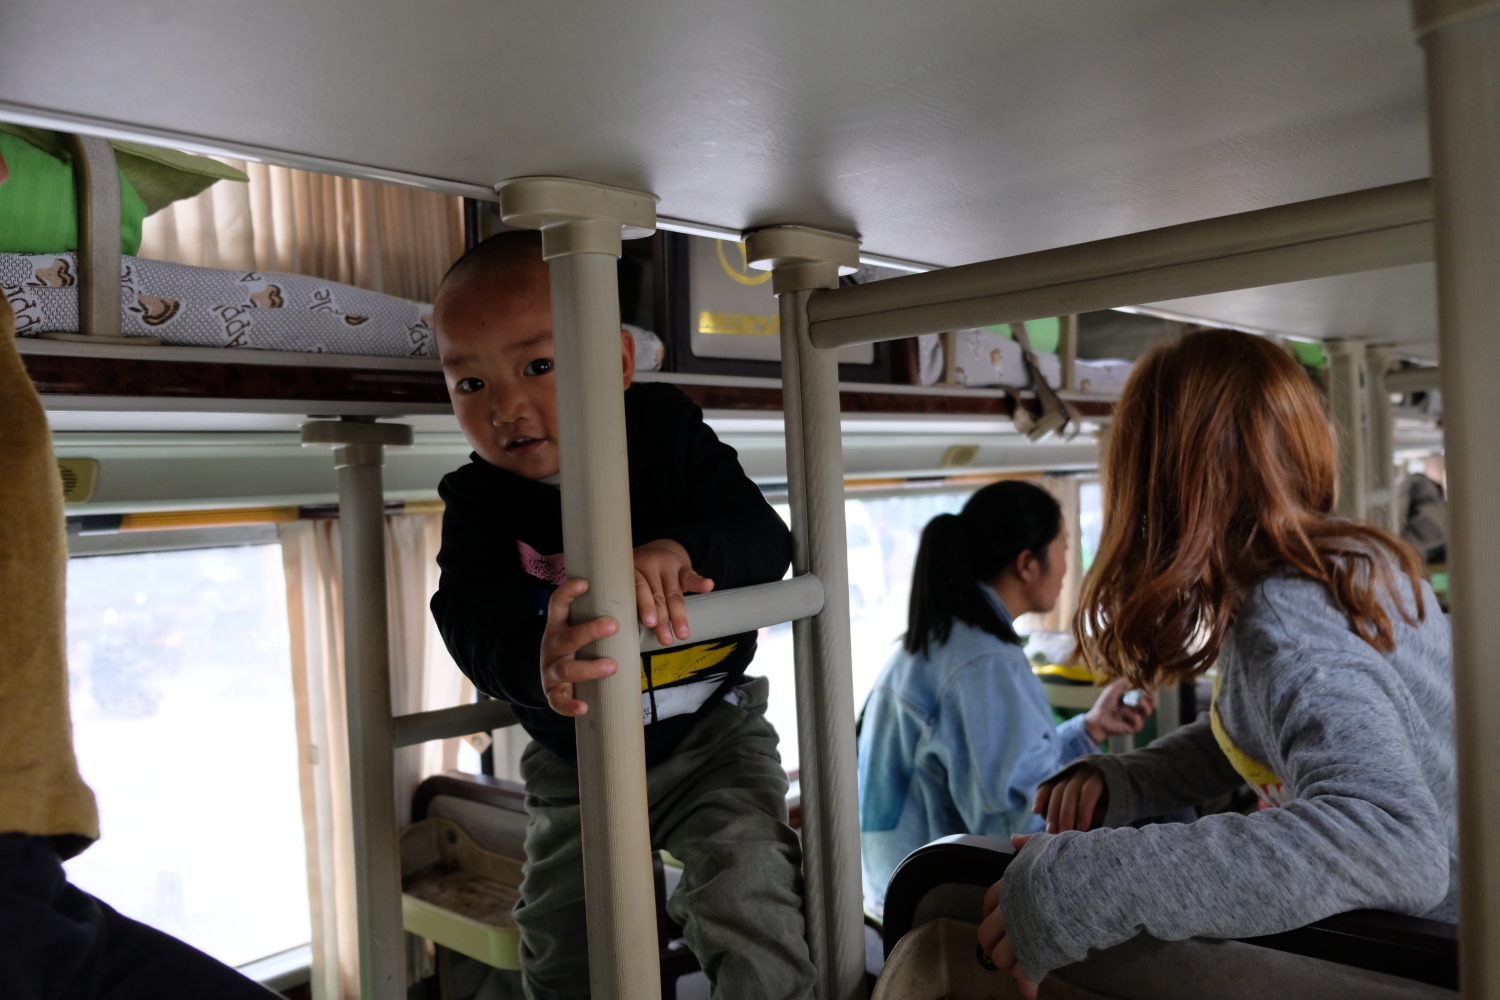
{"type": "Point", "coordinates": [481, 788]}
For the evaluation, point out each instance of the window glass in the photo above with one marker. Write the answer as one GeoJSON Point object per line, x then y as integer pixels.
{"type": "Point", "coordinates": [184, 724]}
{"type": "Point", "coordinates": [882, 535]}
{"type": "Point", "coordinates": [1090, 520]}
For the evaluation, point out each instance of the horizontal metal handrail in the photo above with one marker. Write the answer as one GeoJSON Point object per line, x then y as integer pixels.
{"type": "Point", "coordinates": [445, 723]}
{"type": "Point", "coordinates": [1362, 230]}
{"type": "Point", "coordinates": [715, 615]}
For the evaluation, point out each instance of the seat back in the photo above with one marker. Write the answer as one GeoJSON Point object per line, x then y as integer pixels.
{"type": "Point", "coordinates": [1365, 953]}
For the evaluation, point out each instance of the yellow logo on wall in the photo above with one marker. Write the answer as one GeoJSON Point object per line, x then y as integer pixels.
{"type": "Point", "coordinates": [741, 271]}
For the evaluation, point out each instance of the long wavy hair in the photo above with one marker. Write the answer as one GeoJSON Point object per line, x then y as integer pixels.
{"type": "Point", "coordinates": [1220, 471]}
{"type": "Point", "coordinates": [960, 551]}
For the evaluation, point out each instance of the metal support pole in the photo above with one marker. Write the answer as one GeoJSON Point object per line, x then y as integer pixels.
{"type": "Point", "coordinates": [1462, 43]}
{"type": "Point", "coordinates": [745, 609]}
{"type": "Point", "coordinates": [1381, 227]}
{"type": "Point", "coordinates": [1414, 379]}
{"type": "Point", "coordinates": [96, 179]}
{"type": "Point", "coordinates": [804, 260]}
{"type": "Point", "coordinates": [581, 231]}
{"type": "Point", "coordinates": [446, 723]}
{"type": "Point", "coordinates": [1067, 352]}
{"type": "Point", "coordinates": [1380, 456]}
{"type": "Point", "coordinates": [1346, 405]}
{"type": "Point", "coordinates": [358, 453]}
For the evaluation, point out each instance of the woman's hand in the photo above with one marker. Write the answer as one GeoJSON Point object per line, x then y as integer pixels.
{"type": "Point", "coordinates": [1110, 716]}
{"type": "Point", "coordinates": [1075, 801]}
{"type": "Point", "coordinates": [994, 944]}
{"type": "Point", "coordinates": [561, 669]}
{"type": "Point", "coordinates": [663, 573]}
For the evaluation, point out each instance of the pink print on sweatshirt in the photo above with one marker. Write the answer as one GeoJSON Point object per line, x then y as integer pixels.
{"type": "Point", "coordinates": [548, 569]}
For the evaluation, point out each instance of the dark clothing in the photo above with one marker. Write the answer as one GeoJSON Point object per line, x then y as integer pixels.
{"type": "Point", "coordinates": [501, 559]}
{"type": "Point", "coordinates": [718, 805]}
{"type": "Point", "coordinates": [59, 943]}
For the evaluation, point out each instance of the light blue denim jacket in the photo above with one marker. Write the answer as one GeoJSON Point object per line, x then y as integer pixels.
{"type": "Point", "coordinates": [955, 741]}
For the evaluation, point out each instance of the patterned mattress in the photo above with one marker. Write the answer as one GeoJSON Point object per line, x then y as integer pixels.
{"type": "Point", "coordinates": [257, 310]}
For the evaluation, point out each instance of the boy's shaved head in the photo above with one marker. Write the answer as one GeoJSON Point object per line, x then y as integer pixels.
{"type": "Point", "coordinates": [513, 257]}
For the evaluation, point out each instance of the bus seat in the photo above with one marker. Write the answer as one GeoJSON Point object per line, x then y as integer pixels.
{"type": "Point", "coordinates": [935, 897]}
{"type": "Point", "coordinates": [492, 813]}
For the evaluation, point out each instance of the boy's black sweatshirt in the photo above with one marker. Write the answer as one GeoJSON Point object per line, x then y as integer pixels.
{"type": "Point", "coordinates": [501, 558]}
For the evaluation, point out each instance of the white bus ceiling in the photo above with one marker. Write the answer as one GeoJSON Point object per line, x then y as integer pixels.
{"type": "Point", "coordinates": [940, 134]}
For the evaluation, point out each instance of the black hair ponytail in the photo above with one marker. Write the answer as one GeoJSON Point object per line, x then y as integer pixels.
{"type": "Point", "coordinates": [959, 551]}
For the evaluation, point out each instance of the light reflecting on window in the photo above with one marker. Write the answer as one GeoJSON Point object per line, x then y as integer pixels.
{"type": "Point", "coordinates": [882, 536]}
{"type": "Point", "coordinates": [184, 725]}
{"type": "Point", "coordinates": [1090, 519]}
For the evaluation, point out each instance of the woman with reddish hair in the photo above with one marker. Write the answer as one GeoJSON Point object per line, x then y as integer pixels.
{"type": "Point", "coordinates": [1333, 698]}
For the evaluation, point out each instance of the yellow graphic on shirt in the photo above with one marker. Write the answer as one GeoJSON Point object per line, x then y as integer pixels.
{"type": "Point", "coordinates": [674, 666]}
{"type": "Point", "coordinates": [1258, 776]}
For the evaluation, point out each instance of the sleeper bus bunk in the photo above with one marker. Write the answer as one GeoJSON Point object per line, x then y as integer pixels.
{"type": "Point", "coordinates": [1455, 217]}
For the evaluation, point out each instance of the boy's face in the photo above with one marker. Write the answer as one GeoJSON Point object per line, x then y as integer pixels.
{"type": "Point", "coordinates": [495, 337]}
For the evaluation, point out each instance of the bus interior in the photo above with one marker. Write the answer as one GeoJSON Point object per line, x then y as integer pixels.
{"type": "Point", "coordinates": [893, 252]}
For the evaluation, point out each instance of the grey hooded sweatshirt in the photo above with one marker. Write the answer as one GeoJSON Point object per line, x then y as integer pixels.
{"type": "Point", "coordinates": [1350, 750]}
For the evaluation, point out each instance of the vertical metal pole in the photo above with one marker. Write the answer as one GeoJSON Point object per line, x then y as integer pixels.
{"type": "Point", "coordinates": [1067, 350]}
{"type": "Point", "coordinates": [1346, 405]}
{"type": "Point", "coordinates": [1380, 450]}
{"type": "Point", "coordinates": [804, 637]}
{"type": "Point", "coordinates": [1462, 43]}
{"type": "Point", "coordinates": [596, 536]}
{"type": "Point", "coordinates": [581, 233]}
{"type": "Point", "coordinates": [97, 180]}
{"type": "Point", "coordinates": [358, 455]}
{"type": "Point", "coordinates": [806, 260]}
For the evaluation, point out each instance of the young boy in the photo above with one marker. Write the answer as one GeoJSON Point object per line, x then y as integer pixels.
{"type": "Point", "coordinates": [715, 782]}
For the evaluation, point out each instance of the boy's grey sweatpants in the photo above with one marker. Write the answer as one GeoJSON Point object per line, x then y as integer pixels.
{"type": "Point", "coordinates": [716, 805]}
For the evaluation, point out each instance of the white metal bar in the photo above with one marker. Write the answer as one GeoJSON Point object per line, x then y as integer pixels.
{"type": "Point", "coordinates": [804, 260]}
{"type": "Point", "coordinates": [837, 787]}
{"type": "Point", "coordinates": [97, 181]}
{"type": "Point", "coordinates": [581, 226]}
{"type": "Point", "coordinates": [809, 775]}
{"type": "Point", "coordinates": [1381, 227]}
{"type": "Point", "coordinates": [1413, 379]}
{"type": "Point", "coordinates": [1168, 709]}
{"type": "Point", "coordinates": [358, 454]}
{"type": "Point", "coordinates": [1380, 450]}
{"type": "Point", "coordinates": [1067, 352]}
{"type": "Point", "coordinates": [715, 615]}
{"type": "Point", "coordinates": [596, 538]}
{"type": "Point", "coordinates": [1346, 405]}
{"type": "Point", "coordinates": [1462, 43]}
{"type": "Point", "coordinates": [446, 723]}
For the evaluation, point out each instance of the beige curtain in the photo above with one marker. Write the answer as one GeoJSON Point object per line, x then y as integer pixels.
{"type": "Point", "coordinates": [382, 237]}
{"type": "Point", "coordinates": [422, 678]}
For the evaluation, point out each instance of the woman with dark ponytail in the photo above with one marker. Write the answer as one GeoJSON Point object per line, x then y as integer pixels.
{"type": "Point", "coordinates": [957, 733]}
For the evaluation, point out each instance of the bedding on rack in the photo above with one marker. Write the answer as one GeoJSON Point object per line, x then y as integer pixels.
{"type": "Point", "coordinates": [981, 357]}
{"type": "Point", "coordinates": [257, 310]}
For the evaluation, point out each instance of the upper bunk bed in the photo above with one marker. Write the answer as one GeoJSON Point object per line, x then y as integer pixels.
{"type": "Point", "coordinates": [940, 137]}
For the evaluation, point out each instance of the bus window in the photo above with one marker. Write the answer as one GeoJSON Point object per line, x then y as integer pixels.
{"type": "Point", "coordinates": [183, 720]}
